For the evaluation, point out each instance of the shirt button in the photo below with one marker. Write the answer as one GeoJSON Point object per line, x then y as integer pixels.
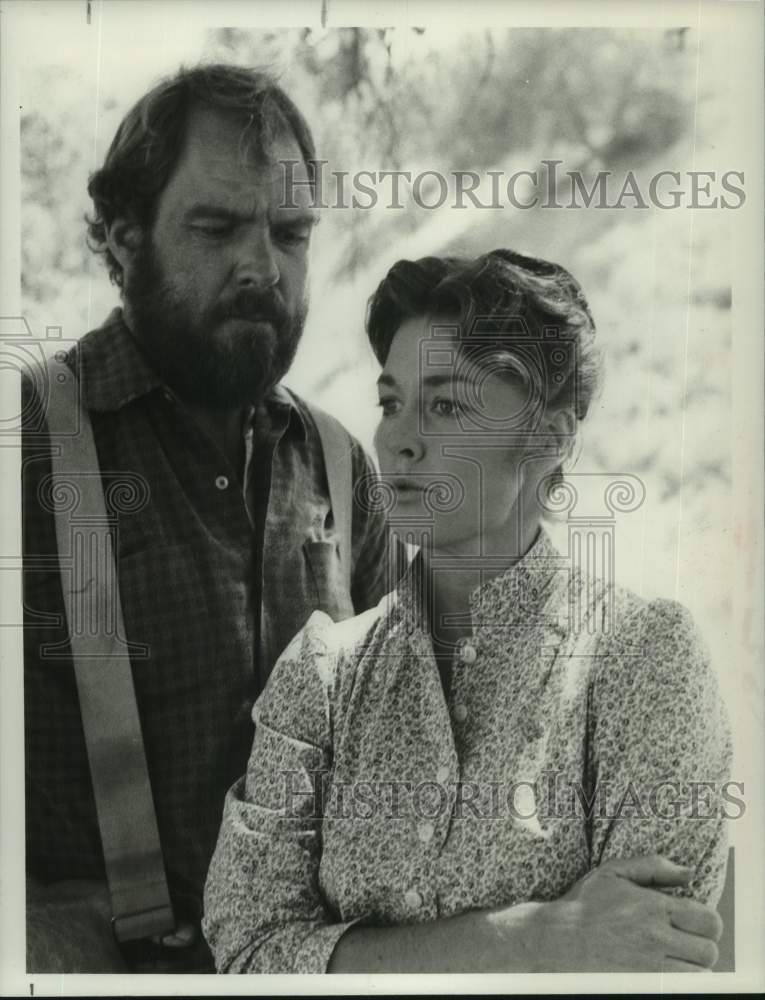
{"type": "Point", "coordinates": [442, 775]}
{"type": "Point", "coordinates": [413, 899]}
{"type": "Point", "coordinates": [221, 482]}
{"type": "Point", "coordinates": [460, 713]}
{"type": "Point", "coordinates": [425, 832]}
{"type": "Point", "coordinates": [468, 653]}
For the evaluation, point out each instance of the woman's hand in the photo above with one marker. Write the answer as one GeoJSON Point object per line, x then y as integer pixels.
{"type": "Point", "coordinates": [615, 920]}
{"type": "Point", "coordinates": [612, 920]}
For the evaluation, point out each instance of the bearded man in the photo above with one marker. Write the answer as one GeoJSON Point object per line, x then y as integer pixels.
{"type": "Point", "coordinates": [234, 543]}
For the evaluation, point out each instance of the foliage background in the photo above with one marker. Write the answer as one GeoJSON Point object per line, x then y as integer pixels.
{"type": "Point", "coordinates": [487, 98]}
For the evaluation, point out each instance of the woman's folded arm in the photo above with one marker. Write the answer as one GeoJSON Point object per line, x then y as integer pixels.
{"type": "Point", "coordinates": [660, 748]}
{"type": "Point", "coordinates": [264, 911]}
{"type": "Point", "coordinates": [263, 908]}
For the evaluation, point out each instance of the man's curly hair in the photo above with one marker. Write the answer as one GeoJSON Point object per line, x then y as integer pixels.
{"type": "Point", "coordinates": [149, 140]}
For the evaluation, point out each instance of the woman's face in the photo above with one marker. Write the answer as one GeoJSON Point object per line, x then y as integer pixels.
{"type": "Point", "coordinates": [451, 445]}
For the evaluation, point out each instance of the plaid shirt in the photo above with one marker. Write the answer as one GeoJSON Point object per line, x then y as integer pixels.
{"type": "Point", "coordinates": [209, 612]}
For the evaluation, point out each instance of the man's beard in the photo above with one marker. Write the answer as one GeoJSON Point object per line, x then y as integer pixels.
{"type": "Point", "coordinates": [201, 362]}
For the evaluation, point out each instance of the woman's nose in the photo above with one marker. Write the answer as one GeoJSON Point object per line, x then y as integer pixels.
{"type": "Point", "coordinates": [405, 443]}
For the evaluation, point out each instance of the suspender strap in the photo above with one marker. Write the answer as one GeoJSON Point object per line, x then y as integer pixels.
{"type": "Point", "coordinates": [132, 854]}
{"type": "Point", "coordinates": [336, 445]}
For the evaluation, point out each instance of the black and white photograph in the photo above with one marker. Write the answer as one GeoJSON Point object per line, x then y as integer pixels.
{"type": "Point", "coordinates": [382, 512]}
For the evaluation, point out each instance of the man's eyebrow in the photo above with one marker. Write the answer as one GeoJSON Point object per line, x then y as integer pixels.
{"type": "Point", "coordinates": [297, 217]}
{"type": "Point", "coordinates": [212, 211]}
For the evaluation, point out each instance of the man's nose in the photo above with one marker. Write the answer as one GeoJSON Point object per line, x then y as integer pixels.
{"type": "Point", "coordinates": [256, 264]}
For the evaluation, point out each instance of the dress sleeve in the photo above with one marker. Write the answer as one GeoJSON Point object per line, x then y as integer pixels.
{"type": "Point", "coordinates": [661, 748]}
{"type": "Point", "coordinates": [263, 909]}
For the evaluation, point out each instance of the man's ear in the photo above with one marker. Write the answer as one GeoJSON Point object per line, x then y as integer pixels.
{"type": "Point", "coordinates": [124, 239]}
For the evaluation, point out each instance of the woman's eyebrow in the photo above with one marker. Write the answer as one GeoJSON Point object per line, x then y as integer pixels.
{"type": "Point", "coordinates": [451, 378]}
{"type": "Point", "coordinates": [431, 381]}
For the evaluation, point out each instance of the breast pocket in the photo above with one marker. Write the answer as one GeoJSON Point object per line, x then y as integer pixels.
{"type": "Point", "coordinates": [332, 594]}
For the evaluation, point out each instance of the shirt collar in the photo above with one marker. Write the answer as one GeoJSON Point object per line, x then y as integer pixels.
{"type": "Point", "coordinates": [532, 591]}
{"type": "Point", "coordinates": [113, 371]}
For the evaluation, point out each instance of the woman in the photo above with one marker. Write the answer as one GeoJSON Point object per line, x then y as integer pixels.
{"type": "Point", "coordinates": [493, 769]}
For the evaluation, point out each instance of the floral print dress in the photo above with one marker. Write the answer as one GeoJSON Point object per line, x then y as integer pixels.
{"type": "Point", "coordinates": [370, 797]}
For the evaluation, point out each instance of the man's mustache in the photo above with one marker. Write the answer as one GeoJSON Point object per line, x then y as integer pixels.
{"type": "Point", "coordinates": [254, 306]}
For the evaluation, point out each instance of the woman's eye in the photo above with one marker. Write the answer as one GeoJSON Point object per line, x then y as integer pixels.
{"type": "Point", "coordinates": [446, 407]}
{"type": "Point", "coordinates": [388, 405]}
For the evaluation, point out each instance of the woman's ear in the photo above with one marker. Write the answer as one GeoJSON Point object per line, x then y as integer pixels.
{"type": "Point", "coordinates": [124, 239]}
{"type": "Point", "coordinates": [561, 425]}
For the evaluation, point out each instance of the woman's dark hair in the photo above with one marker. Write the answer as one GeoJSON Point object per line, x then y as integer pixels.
{"type": "Point", "coordinates": [514, 313]}
{"type": "Point", "coordinates": [149, 140]}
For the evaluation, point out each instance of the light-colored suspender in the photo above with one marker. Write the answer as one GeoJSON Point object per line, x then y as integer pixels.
{"type": "Point", "coordinates": [132, 853]}
{"type": "Point", "coordinates": [336, 445]}
{"type": "Point", "coordinates": [121, 787]}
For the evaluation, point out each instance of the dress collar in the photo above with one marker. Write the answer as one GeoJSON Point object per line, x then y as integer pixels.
{"type": "Point", "coordinates": [534, 590]}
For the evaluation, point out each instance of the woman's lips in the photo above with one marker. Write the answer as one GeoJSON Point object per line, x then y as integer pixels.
{"type": "Point", "coordinates": [408, 489]}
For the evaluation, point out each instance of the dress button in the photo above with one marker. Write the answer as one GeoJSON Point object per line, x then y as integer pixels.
{"type": "Point", "coordinates": [425, 832]}
{"type": "Point", "coordinates": [468, 653]}
{"type": "Point", "coordinates": [413, 899]}
{"type": "Point", "coordinates": [221, 482]}
{"type": "Point", "coordinates": [460, 713]}
{"type": "Point", "coordinates": [524, 803]}
{"type": "Point", "coordinates": [442, 775]}
{"type": "Point", "coordinates": [532, 730]}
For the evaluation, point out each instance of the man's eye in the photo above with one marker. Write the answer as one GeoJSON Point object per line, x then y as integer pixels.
{"type": "Point", "coordinates": [388, 405]}
{"type": "Point", "coordinates": [293, 235]}
{"type": "Point", "coordinates": [214, 229]}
